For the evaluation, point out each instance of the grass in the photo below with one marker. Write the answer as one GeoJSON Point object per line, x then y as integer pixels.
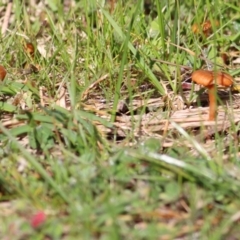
{"type": "Point", "coordinates": [106, 141]}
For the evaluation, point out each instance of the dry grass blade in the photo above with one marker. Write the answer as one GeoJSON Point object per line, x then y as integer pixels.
{"type": "Point", "coordinates": [7, 17]}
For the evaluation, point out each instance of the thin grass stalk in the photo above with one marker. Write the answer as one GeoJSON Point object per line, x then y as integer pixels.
{"type": "Point", "coordinates": [176, 40]}
{"type": "Point", "coordinates": [140, 61]}
{"type": "Point", "coordinates": [120, 76]}
{"type": "Point", "coordinates": [161, 22]}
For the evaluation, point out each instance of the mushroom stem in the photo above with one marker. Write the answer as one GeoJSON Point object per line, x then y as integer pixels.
{"type": "Point", "coordinates": [212, 103]}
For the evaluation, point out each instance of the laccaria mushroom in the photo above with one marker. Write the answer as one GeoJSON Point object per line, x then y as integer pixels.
{"type": "Point", "coordinates": [210, 80]}
{"type": "Point", "coordinates": [3, 73]}
{"type": "Point", "coordinates": [206, 28]}
{"type": "Point", "coordinates": [30, 49]}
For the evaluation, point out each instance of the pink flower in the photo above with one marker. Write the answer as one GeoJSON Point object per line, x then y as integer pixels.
{"type": "Point", "coordinates": [38, 219]}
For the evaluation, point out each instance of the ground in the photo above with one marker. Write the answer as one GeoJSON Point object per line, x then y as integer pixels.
{"type": "Point", "coordinates": [103, 134]}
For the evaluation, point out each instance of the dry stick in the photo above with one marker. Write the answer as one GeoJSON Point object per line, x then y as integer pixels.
{"type": "Point", "coordinates": [7, 17]}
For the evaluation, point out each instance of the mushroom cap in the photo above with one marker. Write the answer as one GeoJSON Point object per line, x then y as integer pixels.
{"type": "Point", "coordinates": [202, 77]}
{"type": "Point", "coordinates": [208, 78]}
{"type": "Point", "coordinates": [3, 73]}
{"type": "Point", "coordinates": [224, 79]}
{"type": "Point", "coordinates": [206, 27]}
{"type": "Point", "coordinates": [29, 48]}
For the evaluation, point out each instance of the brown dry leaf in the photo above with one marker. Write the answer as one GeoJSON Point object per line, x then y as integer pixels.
{"type": "Point", "coordinates": [45, 48]}
{"type": "Point", "coordinates": [17, 100]}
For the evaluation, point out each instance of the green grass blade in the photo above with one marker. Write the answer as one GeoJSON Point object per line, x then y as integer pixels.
{"type": "Point", "coordinates": [36, 165]}
{"type": "Point", "coordinates": [141, 61]}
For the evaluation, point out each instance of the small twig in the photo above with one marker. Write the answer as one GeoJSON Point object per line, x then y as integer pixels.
{"type": "Point", "coordinates": [19, 34]}
{"type": "Point", "coordinates": [7, 17]}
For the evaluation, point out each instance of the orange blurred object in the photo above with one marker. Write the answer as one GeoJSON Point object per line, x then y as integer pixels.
{"type": "Point", "coordinates": [205, 28]}
{"type": "Point", "coordinates": [195, 28]}
{"type": "Point", "coordinates": [3, 73]}
{"type": "Point", "coordinates": [30, 49]}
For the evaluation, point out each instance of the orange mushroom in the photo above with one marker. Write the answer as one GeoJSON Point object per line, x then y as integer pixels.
{"type": "Point", "coordinates": [30, 49]}
{"type": "Point", "coordinates": [205, 28]}
{"type": "Point", "coordinates": [210, 79]}
{"type": "Point", "coordinates": [3, 73]}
